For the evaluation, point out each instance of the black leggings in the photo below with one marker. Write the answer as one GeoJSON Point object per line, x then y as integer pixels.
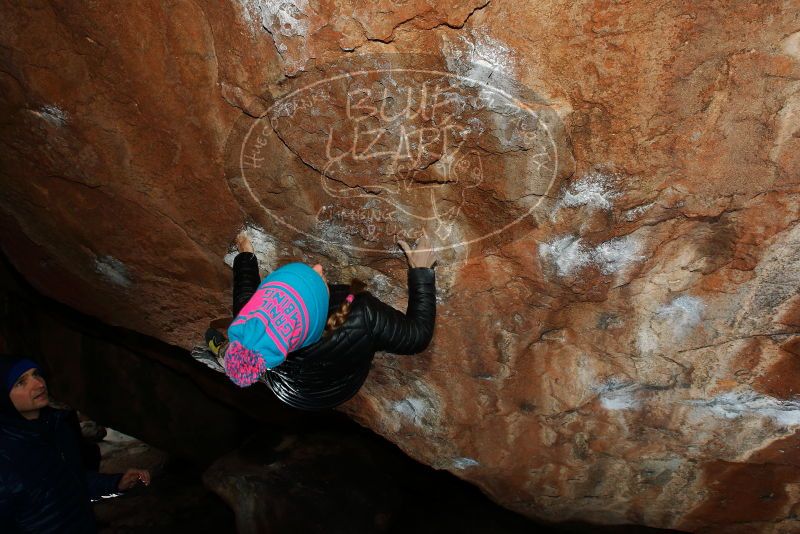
{"type": "Point", "coordinates": [245, 280]}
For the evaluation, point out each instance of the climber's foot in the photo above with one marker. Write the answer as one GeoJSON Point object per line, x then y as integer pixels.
{"type": "Point", "coordinates": [215, 340]}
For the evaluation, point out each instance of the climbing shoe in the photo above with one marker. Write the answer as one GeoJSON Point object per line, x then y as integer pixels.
{"type": "Point", "coordinates": [214, 340]}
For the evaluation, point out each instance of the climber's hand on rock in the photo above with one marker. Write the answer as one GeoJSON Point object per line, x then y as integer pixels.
{"type": "Point", "coordinates": [422, 255]}
{"type": "Point", "coordinates": [243, 243]}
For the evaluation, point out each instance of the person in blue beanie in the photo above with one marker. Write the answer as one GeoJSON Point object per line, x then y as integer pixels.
{"type": "Point", "coordinates": [313, 343]}
{"type": "Point", "coordinates": [43, 485]}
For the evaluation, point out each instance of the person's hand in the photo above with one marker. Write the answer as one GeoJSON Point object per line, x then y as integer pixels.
{"type": "Point", "coordinates": [422, 256]}
{"type": "Point", "coordinates": [243, 243]}
{"type": "Point", "coordinates": [133, 476]}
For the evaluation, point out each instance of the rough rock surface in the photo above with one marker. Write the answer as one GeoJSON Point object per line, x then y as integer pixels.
{"type": "Point", "coordinates": [335, 482]}
{"type": "Point", "coordinates": [614, 187]}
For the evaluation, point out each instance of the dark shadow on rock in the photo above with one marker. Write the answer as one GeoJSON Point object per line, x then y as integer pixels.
{"type": "Point", "coordinates": [175, 502]}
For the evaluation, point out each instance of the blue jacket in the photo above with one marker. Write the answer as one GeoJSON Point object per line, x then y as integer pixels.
{"type": "Point", "coordinates": [43, 485]}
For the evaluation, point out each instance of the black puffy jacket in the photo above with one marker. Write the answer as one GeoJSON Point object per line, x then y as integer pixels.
{"type": "Point", "coordinates": [43, 485]}
{"type": "Point", "coordinates": [331, 371]}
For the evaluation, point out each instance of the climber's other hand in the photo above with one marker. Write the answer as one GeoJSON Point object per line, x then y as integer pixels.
{"type": "Point", "coordinates": [243, 243]}
{"type": "Point", "coordinates": [422, 255]}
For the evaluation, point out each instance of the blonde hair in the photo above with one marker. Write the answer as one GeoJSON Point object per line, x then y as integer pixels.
{"type": "Point", "coordinates": [339, 317]}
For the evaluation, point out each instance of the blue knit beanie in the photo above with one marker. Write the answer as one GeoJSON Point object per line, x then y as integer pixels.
{"type": "Point", "coordinates": [11, 368]}
{"type": "Point", "coordinates": [287, 312]}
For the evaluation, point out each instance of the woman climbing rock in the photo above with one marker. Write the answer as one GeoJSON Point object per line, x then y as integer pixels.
{"type": "Point", "coordinates": [313, 343]}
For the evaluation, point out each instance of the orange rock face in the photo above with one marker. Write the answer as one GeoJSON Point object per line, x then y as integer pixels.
{"type": "Point", "coordinates": [613, 187]}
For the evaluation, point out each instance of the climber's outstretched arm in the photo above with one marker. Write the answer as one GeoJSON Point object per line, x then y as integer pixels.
{"type": "Point", "coordinates": [246, 278]}
{"type": "Point", "coordinates": [409, 333]}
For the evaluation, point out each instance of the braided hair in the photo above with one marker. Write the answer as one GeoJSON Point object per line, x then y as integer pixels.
{"type": "Point", "coordinates": [338, 318]}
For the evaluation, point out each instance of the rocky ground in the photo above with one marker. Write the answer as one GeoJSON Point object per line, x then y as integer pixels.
{"type": "Point", "coordinates": [176, 501]}
{"type": "Point", "coordinates": [316, 483]}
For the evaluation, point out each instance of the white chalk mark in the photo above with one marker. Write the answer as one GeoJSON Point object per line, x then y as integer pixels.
{"type": "Point", "coordinates": [113, 270]}
{"type": "Point", "coordinates": [634, 213]}
{"type": "Point", "coordinates": [593, 190]}
{"type": "Point", "coordinates": [736, 404]}
{"type": "Point", "coordinates": [283, 17]}
{"type": "Point", "coordinates": [414, 409]}
{"type": "Point", "coordinates": [52, 114]}
{"type": "Point", "coordinates": [618, 395]}
{"type": "Point", "coordinates": [683, 313]}
{"type": "Point", "coordinates": [568, 254]}
{"type": "Point", "coordinates": [616, 254]}
{"type": "Point", "coordinates": [265, 246]}
{"type": "Point", "coordinates": [465, 463]}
